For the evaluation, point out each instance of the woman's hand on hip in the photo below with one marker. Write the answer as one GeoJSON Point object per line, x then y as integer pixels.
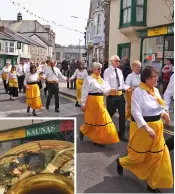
{"type": "Point", "coordinates": [82, 108]}
{"type": "Point", "coordinates": [150, 132]}
{"type": "Point", "coordinates": [27, 87]}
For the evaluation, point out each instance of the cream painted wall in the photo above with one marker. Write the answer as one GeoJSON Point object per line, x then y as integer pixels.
{"type": "Point", "coordinates": [115, 37]}
{"type": "Point", "coordinates": [156, 12]}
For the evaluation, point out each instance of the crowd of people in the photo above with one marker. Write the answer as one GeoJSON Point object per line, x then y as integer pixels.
{"type": "Point", "coordinates": [148, 155]}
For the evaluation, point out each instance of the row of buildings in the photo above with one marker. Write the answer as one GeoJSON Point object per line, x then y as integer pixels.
{"type": "Point", "coordinates": [139, 29]}
{"type": "Point", "coordinates": [25, 40]}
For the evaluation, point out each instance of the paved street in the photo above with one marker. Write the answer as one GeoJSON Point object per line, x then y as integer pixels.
{"type": "Point", "coordinates": [96, 168]}
{"type": "Point", "coordinates": [18, 108]}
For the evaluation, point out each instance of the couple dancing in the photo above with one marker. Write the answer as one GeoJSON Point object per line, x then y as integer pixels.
{"type": "Point", "coordinates": [148, 156]}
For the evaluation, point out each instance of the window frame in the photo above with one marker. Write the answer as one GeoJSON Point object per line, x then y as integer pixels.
{"type": "Point", "coordinates": [122, 46]}
{"type": "Point", "coordinates": [99, 24]}
{"type": "Point", "coordinates": [11, 47]}
{"type": "Point", "coordinates": [133, 21]}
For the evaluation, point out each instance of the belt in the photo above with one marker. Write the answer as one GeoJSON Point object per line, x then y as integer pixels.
{"type": "Point", "coordinates": [148, 118]}
{"type": "Point", "coordinates": [117, 93]}
{"type": "Point", "coordinates": [52, 82]}
{"type": "Point", "coordinates": [32, 83]}
{"type": "Point", "coordinates": [96, 94]}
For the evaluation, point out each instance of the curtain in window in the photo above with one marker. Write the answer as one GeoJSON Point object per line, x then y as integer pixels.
{"type": "Point", "coordinates": [139, 14]}
{"type": "Point", "coordinates": [140, 2]}
{"type": "Point", "coordinates": [126, 11]}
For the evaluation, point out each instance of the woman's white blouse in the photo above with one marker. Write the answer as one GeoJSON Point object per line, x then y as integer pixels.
{"type": "Point", "coordinates": [11, 76]}
{"type": "Point", "coordinates": [79, 74]}
{"type": "Point", "coordinates": [143, 104]}
{"type": "Point", "coordinates": [29, 78]}
{"type": "Point", "coordinates": [91, 85]}
{"type": "Point", "coordinates": [6, 70]}
{"type": "Point", "coordinates": [133, 80]}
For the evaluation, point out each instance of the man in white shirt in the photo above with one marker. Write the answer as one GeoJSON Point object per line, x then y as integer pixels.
{"type": "Point", "coordinates": [52, 75]}
{"type": "Point", "coordinates": [21, 76]}
{"type": "Point", "coordinates": [114, 77]}
{"type": "Point", "coordinates": [169, 93]}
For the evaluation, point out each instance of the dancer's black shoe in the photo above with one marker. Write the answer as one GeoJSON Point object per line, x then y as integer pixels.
{"type": "Point", "coordinates": [100, 145]}
{"type": "Point", "coordinates": [28, 109]}
{"type": "Point", "coordinates": [34, 113]}
{"type": "Point", "coordinates": [81, 136]}
{"type": "Point", "coordinates": [153, 190]}
{"type": "Point", "coordinates": [119, 167]}
{"type": "Point", "coordinates": [77, 104]}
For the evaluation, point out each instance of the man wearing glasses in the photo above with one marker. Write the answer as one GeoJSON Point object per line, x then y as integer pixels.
{"type": "Point", "coordinates": [114, 77]}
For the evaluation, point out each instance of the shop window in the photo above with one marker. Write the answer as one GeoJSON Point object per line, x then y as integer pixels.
{"type": "Point", "coordinates": [169, 48]}
{"type": "Point", "coordinates": [133, 13]}
{"type": "Point", "coordinates": [124, 50]}
{"type": "Point", "coordinates": [152, 52]}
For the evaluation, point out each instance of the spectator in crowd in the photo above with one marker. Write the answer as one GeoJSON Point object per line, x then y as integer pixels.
{"type": "Point", "coordinates": [167, 72]}
{"type": "Point", "coordinates": [126, 68]}
{"type": "Point", "coordinates": [73, 66]}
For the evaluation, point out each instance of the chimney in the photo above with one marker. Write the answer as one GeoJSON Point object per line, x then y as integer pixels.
{"type": "Point", "coordinates": [2, 28]}
{"type": "Point", "coordinates": [19, 17]}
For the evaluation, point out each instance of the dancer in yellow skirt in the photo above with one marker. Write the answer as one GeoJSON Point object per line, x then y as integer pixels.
{"type": "Point", "coordinates": [33, 98]}
{"type": "Point", "coordinates": [132, 80]}
{"type": "Point", "coordinates": [98, 124]}
{"type": "Point", "coordinates": [80, 74]}
{"type": "Point", "coordinates": [148, 156]}
{"type": "Point", "coordinates": [4, 74]}
{"type": "Point", "coordinates": [12, 81]}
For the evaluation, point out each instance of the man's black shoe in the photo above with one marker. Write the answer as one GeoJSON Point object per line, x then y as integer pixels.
{"type": "Point", "coordinates": [57, 110]}
{"type": "Point", "coordinates": [77, 104]}
{"type": "Point", "coordinates": [119, 167]}
{"type": "Point", "coordinates": [123, 138]}
{"type": "Point", "coordinates": [81, 136]}
{"type": "Point", "coordinates": [153, 190]}
{"type": "Point", "coordinates": [47, 107]}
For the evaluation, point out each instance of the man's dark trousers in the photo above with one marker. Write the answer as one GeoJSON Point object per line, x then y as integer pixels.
{"type": "Point", "coordinates": [53, 89]}
{"type": "Point", "coordinates": [117, 102]}
{"type": "Point", "coordinates": [21, 82]}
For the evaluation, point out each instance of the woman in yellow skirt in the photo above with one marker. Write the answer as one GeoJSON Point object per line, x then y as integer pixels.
{"type": "Point", "coordinates": [80, 74]}
{"type": "Point", "coordinates": [4, 74]}
{"type": "Point", "coordinates": [148, 156]}
{"type": "Point", "coordinates": [132, 80]}
{"type": "Point", "coordinates": [12, 81]}
{"type": "Point", "coordinates": [33, 98]}
{"type": "Point", "coordinates": [98, 124]}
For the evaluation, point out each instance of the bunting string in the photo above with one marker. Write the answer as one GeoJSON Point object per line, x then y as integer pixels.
{"type": "Point", "coordinates": [47, 21]}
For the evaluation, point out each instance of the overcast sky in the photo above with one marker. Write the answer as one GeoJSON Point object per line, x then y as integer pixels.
{"type": "Point", "coordinates": [59, 11]}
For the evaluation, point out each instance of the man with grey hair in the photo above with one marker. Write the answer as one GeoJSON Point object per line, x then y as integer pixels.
{"type": "Point", "coordinates": [114, 77]}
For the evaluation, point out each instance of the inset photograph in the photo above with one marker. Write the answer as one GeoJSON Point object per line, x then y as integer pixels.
{"type": "Point", "coordinates": [37, 156]}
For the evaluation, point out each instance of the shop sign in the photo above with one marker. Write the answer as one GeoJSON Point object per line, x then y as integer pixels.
{"type": "Point", "coordinates": [159, 54]}
{"type": "Point", "coordinates": [10, 135]}
{"type": "Point", "coordinates": [41, 130]}
{"type": "Point", "coordinates": [170, 29]}
{"type": "Point", "coordinates": [158, 31]}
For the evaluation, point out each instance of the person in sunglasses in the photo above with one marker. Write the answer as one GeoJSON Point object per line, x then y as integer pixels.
{"type": "Point", "coordinates": [98, 124]}
{"type": "Point", "coordinates": [114, 77]}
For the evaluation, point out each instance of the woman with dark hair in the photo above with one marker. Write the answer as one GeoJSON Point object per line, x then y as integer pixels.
{"type": "Point", "coordinates": [80, 74]}
{"type": "Point", "coordinates": [148, 156]}
{"type": "Point", "coordinates": [12, 82]}
{"type": "Point", "coordinates": [33, 98]}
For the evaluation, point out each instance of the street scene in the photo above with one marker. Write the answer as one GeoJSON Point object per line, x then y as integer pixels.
{"type": "Point", "coordinates": [109, 64]}
{"type": "Point", "coordinates": [33, 152]}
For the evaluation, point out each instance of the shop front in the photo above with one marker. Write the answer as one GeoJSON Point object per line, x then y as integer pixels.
{"type": "Point", "coordinates": [53, 130]}
{"type": "Point", "coordinates": [10, 58]}
{"type": "Point", "coordinates": [157, 45]}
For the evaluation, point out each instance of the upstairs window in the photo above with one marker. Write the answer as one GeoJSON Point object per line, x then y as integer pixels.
{"type": "Point", "coordinates": [99, 24]}
{"type": "Point", "coordinates": [12, 47]}
{"type": "Point", "coordinates": [133, 13]}
{"type": "Point", "coordinates": [126, 11]}
{"type": "Point", "coordinates": [139, 10]}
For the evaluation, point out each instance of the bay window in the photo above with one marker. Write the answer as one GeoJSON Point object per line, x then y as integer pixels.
{"type": "Point", "coordinates": [133, 13]}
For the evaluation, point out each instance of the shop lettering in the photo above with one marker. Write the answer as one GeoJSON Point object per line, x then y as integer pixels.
{"type": "Point", "coordinates": [40, 130]}
{"type": "Point", "coordinates": [157, 31]}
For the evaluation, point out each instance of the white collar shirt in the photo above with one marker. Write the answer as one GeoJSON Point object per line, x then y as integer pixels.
{"type": "Point", "coordinates": [91, 85]}
{"type": "Point", "coordinates": [133, 80]}
{"type": "Point", "coordinates": [110, 78]}
{"type": "Point", "coordinates": [30, 78]}
{"type": "Point", "coordinates": [51, 76]}
{"type": "Point", "coordinates": [143, 104]}
{"type": "Point", "coordinates": [20, 70]}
